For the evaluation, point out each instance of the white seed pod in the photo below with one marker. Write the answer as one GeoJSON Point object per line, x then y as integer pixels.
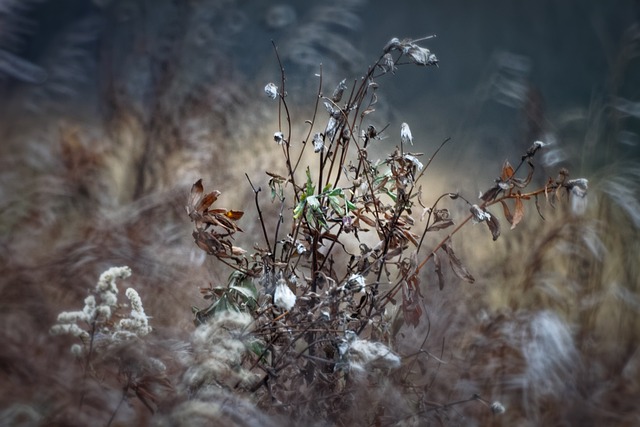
{"type": "Point", "coordinates": [283, 297]}
{"type": "Point", "coordinates": [278, 137]}
{"type": "Point", "coordinates": [405, 134]}
{"type": "Point", "coordinates": [271, 90]}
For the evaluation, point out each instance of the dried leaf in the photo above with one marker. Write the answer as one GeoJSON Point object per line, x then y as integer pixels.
{"type": "Point", "coordinates": [494, 227]}
{"type": "Point", "coordinates": [387, 64]}
{"type": "Point", "coordinates": [318, 142]}
{"type": "Point", "coordinates": [479, 215]}
{"type": "Point", "coordinates": [392, 44]}
{"type": "Point", "coordinates": [412, 237]}
{"type": "Point", "coordinates": [507, 212]}
{"type": "Point", "coordinates": [491, 194]}
{"type": "Point", "coordinates": [507, 171]}
{"type": "Point", "coordinates": [420, 55]}
{"type": "Point", "coordinates": [234, 215]}
{"type": "Point", "coordinates": [339, 90]}
{"type": "Point", "coordinates": [440, 225]}
{"type": "Point", "coordinates": [195, 196]}
{"type": "Point", "coordinates": [207, 201]}
{"type": "Point", "coordinates": [411, 306]}
{"type": "Point", "coordinates": [518, 213]}
{"type": "Point", "coordinates": [456, 265]}
{"type": "Point", "coordinates": [538, 208]}
{"type": "Point", "coordinates": [438, 268]}
{"type": "Point", "coordinates": [235, 250]}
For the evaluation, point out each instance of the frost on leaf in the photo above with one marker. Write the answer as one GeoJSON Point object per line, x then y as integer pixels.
{"type": "Point", "coordinates": [420, 55]}
{"type": "Point", "coordinates": [481, 215]}
{"type": "Point", "coordinates": [414, 160]}
{"type": "Point", "coordinates": [318, 143]}
{"type": "Point", "coordinates": [330, 130]}
{"type": "Point", "coordinates": [339, 90]}
{"type": "Point", "coordinates": [387, 64]}
{"type": "Point", "coordinates": [392, 44]}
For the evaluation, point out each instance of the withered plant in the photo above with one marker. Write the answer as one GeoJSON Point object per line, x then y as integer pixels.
{"type": "Point", "coordinates": [340, 270]}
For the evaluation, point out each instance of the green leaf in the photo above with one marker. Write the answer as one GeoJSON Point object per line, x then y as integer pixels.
{"type": "Point", "coordinates": [297, 211]}
{"type": "Point", "coordinates": [257, 347]}
{"type": "Point", "coordinates": [311, 189]}
{"type": "Point", "coordinates": [249, 290]}
{"type": "Point", "coordinates": [313, 202]}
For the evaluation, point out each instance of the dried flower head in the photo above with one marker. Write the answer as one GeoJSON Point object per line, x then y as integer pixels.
{"type": "Point", "coordinates": [405, 134]}
{"type": "Point", "coordinates": [278, 137]}
{"type": "Point", "coordinates": [356, 283]}
{"type": "Point", "coordinates": [497, 408]}
{"type": "Point", "coordinates": [283, 297]}
{"type": "Point", "coordinates": [578, 195]}
{"type": "Point", "coordinates": [271, 90]}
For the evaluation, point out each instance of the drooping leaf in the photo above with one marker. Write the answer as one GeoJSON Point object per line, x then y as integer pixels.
{"type": "Point", "coordinates": [491, 194]}
{"type": "Point", "coordinates": [507, 212]}
{"type": "Point", "coordinates": [538, 208]}
{"type": "Point", "coordinates": [441, 225]}
{"type": "Point", "coordinates": [518, 212]}
{"type": "Point", "coordinates": [494, 226]}
{"type": "Point", "coordinates": [479, 215]}
{"type": "Point", "coordinates": [507, 171]}
{"type": "Point", "coordinates": [456, 265]}
{"type": "Point", "coordinates": [339, 90]}
{"type": "Point", "coordinates": [438, 269]}
{"type": "Point", "coordinates": [411, 306]}
{"type": "Point", "coordinates": [195, 196]}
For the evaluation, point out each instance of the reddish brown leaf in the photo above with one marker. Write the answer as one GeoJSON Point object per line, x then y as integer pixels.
{"type": "Point", "coordinates": [412, 237]}
{"type": "Point", "coordinates": [367, 220]}
{"type": "Point", "coordinates": [507, 212]}
{"type": "Point", "coordinates": [518, 213]}
{"type": "Point", "coordinates": [234, 215]}
{"type": "Point", "coordinates": [507, 171]}
{"type": "Point", "coordinates": [207, 201]}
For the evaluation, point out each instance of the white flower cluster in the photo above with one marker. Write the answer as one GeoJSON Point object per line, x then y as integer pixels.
{"type": "Point", "coordinates": [138, 323]}
{"type": "Point", "coordinates": [95, 317]}
{"type": "Point", "coordinates": [216, 351]}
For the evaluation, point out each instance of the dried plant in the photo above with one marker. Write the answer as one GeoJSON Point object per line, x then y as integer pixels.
{"type": "Point", "coordinates": [339, 272]}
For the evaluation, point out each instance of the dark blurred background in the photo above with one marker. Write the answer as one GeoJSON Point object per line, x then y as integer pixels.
{"type": "Point", "coordinates": [509, 71]}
